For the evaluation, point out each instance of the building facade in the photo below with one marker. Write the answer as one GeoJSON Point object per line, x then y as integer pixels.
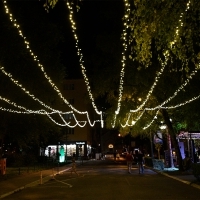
{"type": "Point", "coordinates": [77, 139]}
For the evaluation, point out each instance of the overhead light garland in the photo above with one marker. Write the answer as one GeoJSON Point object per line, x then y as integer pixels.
{"type": "Point", "coordinates": [43, 112]}
{"type": "Point", "coordinates": [125, 46]}
{"type": "Point", "coordinates": [176, 92]}
{"type": "Point", "coordinates": [163, 64]}
{"type": "Point", "coordinates": [155, 117]}
{"type": "Point", "coordinates": [176, 36]}
{"type": "Point", "coordinates": [27, 44]}
{"type": "Point", "coordinates": [166, 54]}
{"type": "Point", "coordinates": [81, 61]}
{"type": "Point", "coordinates": [133, 122]}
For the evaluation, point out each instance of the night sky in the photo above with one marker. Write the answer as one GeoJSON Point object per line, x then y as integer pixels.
{"type": "Point", "coordinates": [98, 25]}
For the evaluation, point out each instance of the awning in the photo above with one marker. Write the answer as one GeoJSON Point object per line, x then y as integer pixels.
{"type": "Point", "coordinates": [189, 135]}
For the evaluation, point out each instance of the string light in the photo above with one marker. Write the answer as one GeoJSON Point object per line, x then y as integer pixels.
{"type": "Point", "coordinates": [163, 64]}
{"type": "Point", "coordinates": [43, 112]}
{"type": "Point", "coordinates": [155, 117]}
{"type": "Point", "coordinates": [133, 122]}
{"type": "Point", "coordinates": [166, 54]}
{"type": "Point", "coordinates": [27, 44]}
{"type": "Point", "coordinates": [181, 104]}
{"type": "Point", "coordinates": [171, 107]}
{"type": "Point", "coordinates": [176, 35]}
{"type": "Point", "coordinates": [176, 92]}
{"type": "Point", "coordinates": [81, 61]}
{"type": "Point", "coordinates": [125, 46]}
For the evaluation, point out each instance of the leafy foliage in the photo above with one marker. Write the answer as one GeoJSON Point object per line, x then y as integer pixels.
{"type": "Point", "coordinates": [153, 28]}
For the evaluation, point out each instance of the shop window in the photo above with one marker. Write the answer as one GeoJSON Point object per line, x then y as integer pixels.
{"type": "Point", "coordinates": [71, 150]}
{"type": "Point", "coordinates": [81, 150]}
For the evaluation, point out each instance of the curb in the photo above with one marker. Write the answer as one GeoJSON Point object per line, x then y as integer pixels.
{"type": "Point", "coordinates": [176, 178]}
{"type": "Point", "coordinates": [183, 181]}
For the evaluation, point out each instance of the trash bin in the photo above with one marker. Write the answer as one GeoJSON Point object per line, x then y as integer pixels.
{"type": "Point", "coordinates": [3, 166]}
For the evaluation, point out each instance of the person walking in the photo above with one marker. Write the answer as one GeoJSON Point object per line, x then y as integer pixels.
{"type": "Point", "coordinates": [115, 153]}
{"type": "Point", "coordinates": [73, 168]}
{"type": "Point", "coordinates": [129, 160]}
{"type": "Point", "coordinates": [140, 160]}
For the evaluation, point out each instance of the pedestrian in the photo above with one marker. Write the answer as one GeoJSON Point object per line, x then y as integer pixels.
{"type": "Point", "coordinates": [129, 160]}
{"type": "Point", "coordinates": [73, 168]}
{"type": "Point", "coordinates": [115, 153]}
{"type": "Point", "coordinates": [140, 160]}
{"type": "Point", "coordinates": [118, 156]}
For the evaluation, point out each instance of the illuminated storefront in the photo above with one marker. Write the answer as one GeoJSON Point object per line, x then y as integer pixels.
{"type": "Point", "coordinates": [68, 150]}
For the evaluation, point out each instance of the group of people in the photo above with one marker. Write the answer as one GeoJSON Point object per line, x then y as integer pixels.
{"type": "Point", "coordinates": [138, 157]}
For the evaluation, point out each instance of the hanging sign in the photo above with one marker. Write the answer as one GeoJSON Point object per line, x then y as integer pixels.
{"type": "Point", "coordinates": [158, 138]}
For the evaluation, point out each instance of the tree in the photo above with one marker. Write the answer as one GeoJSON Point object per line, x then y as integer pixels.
{"type": "Point", "coordinates": [153, 29]}
{"type": "Point", "coordinates": [152, 33]}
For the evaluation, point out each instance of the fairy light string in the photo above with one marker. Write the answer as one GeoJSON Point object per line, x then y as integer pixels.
{"type": "Point", "coordinates": [171, 107]}
{"type": "Point", "coordinates": [133, 122]}
{"type": "Point", "coordinates": [166, 55]}
{"type": "Point", "coordinates": [27, 44]}
{"type": "Point", "coordinates": [42, 112]}
{"type": "Point", "coordinates": [176, 92]}
{"type": "Point", "coordinates": [125, 46]}
{"type": "Point", "coordinates": [81, 61]}
{"type": "Point", "coordinates": [127, 5]}
{"type": "Point", "coordinates": [154, 118]}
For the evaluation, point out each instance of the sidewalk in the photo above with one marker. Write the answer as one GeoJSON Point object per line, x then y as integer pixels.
{"type": "Point", "coordinates": [14, 184]}
{"type": "Point", "coordinates": [184, 178]}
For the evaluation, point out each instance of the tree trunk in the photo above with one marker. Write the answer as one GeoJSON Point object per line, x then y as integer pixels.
{"type": "Point", "coordinates": [172, 134]}
{"type": "Point", "coordinates": [158, 153]}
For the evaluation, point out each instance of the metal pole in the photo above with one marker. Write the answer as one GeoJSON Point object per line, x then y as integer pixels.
{"type": "Point", "coordinates": [53, 174]}
{"type": "Point", "coordinates": [151, 141]}
{"type": "Point", "coordinates": [40, 177]}
{"type": "Point", "coordinates": [170, 150]}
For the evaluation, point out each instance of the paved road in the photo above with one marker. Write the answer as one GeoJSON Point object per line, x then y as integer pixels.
{"type": "Point", "coordinates": [106, 180]}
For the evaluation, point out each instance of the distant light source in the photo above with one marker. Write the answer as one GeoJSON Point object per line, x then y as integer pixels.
{"type": "Point", "coordinates": [163, 127]}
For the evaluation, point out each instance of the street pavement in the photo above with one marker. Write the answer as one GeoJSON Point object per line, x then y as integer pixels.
{"type": "Point", "coordinates": [99, 179]}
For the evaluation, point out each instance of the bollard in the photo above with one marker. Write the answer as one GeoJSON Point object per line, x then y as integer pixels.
{"type": "Point", "coordinates": [40, 177]}
{"type": "Point", "coordinates": [58, 168]}
{"type": "Point", "coordinates": [53, 174]}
